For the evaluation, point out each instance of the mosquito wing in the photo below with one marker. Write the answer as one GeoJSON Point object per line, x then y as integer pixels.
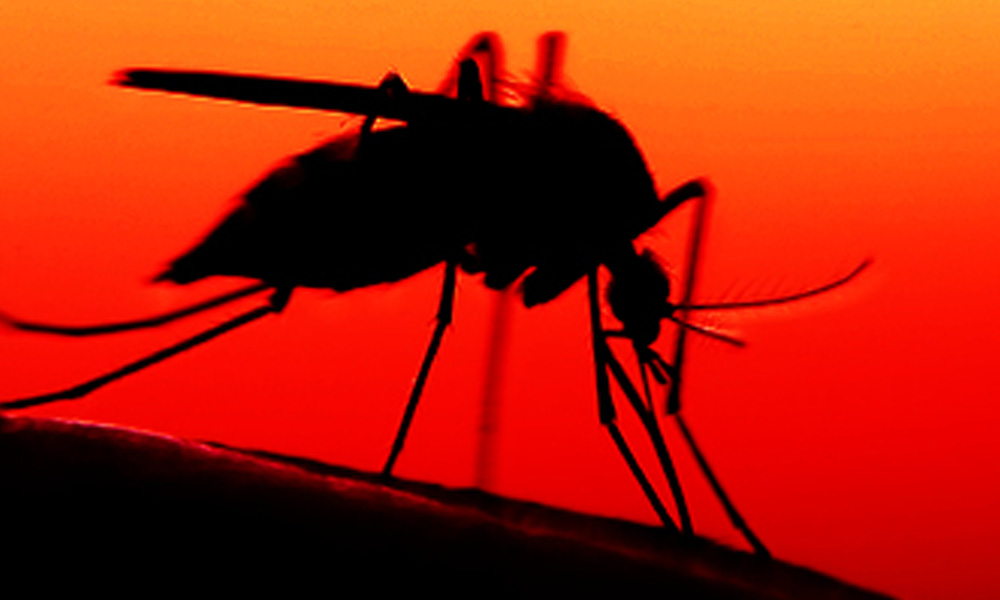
{"type": "Point", "coordinates": [310, 94]}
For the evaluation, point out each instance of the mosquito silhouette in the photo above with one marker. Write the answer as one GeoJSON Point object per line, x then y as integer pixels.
{"type": "Point", "coordinates": [521, 182]}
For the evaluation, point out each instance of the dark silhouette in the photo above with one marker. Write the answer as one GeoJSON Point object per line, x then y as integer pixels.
{"type": "Point", "coordinates": [92, 506]}
{"type": "Point", "coordinates": [540, 187]}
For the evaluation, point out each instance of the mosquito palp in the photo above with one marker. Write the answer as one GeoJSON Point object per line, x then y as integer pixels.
{"type": "Point", "coordinates": [715, 335]}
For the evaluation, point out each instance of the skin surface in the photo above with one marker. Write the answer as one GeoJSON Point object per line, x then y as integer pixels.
{"type": "Point", "coordinates": [92, 500]}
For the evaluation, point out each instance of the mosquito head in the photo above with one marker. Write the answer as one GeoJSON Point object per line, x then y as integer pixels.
{"type": "Point", "coordinates": [638, 295]}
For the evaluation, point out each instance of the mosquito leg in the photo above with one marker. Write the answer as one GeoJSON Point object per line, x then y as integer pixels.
{"type": "Point", "coordinates": [606, 408]}
{"type": "Point", "coordinates": [633, 465]}
{"type": "Point", "coordinates": [470, 89]}
{"type": "Point", "coordinates": [279, 299]}
{"type": "Point", "coordinates": [147, 323]}
{"type": "Point", "coordinates": [675, 367]}
{"type": "Point", "coordinates": [645, 386]}
{"type": "Point", "coordinates": [734, 516]}
{"type": "Point", "coordinates": [444, 315]}
{"type": "Point", "coordinates": [656, 437]}
{"type": "Point", "coordinates": [81, 390]}
{"type": "Point", "coordinates": [492, 380]}
{"type": "Point", "coordinates": [487, 44]}
{"type": "Point", "coordinates": [548, 69]}
{"type": "Point", "coordinates": [695, 242]}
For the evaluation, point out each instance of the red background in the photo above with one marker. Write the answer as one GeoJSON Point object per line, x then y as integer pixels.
{"type": "Point", "coordinates": [856, 431]}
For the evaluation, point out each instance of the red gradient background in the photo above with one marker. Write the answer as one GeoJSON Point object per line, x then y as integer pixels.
{"type": "Point", "coordinates": [856, 432]}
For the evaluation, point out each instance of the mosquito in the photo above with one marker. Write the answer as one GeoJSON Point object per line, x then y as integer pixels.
{"type": "Point", "coordinates": [528, 184]}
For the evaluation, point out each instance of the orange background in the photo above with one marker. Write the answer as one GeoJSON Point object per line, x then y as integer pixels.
{"type": "Point", "coordinates": [856, 432]}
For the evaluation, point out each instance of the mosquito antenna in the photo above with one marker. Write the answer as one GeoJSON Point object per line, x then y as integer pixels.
{"type": "Point", "coordinates": [715, 335]}
{"type": "Point", "coordinates": [81, 390]}
{"type": "Point", "coordinates": [779, 299]}
{"type": "Point", "coordinates": [146, 323]}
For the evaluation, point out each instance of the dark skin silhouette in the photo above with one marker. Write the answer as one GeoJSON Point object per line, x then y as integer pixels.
{"type": "Point", "coordinates": [545, 192]}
